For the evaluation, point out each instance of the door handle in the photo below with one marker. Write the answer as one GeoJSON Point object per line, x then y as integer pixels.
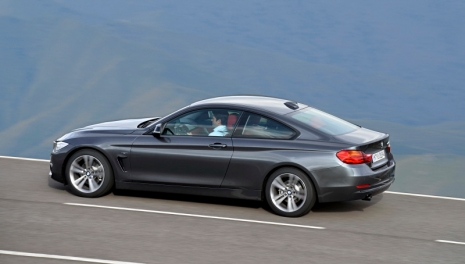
{"type": "Point", "coordinates": [217, 145]}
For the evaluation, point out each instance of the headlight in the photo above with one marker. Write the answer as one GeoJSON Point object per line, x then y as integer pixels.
{"type": "Point", "coordinates": [57, 145]}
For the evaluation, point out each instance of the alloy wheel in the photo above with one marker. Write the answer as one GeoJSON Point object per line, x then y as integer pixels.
{"type": "Point", "coordinates": [87, 173]}
{"type": "Point", "coordinates": [288, 192]}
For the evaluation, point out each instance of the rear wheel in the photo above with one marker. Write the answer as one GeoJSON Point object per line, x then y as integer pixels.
{"type": "Point", "coordinates": [89, 174]}
{"type": "Point", "coordinates": [289, 192]}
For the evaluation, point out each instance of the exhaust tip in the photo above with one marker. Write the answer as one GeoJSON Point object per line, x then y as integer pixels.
{"type": "Point", "coordinates": [368, 197]}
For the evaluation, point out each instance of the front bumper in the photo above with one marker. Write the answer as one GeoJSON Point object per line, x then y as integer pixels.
{"type": "Point", "coordinates": [57, 162]}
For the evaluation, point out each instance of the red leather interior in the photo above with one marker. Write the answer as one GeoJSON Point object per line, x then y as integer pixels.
{"type": "Point", "coordinates": [232, 119]}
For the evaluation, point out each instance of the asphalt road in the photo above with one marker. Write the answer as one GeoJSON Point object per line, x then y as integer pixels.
{"type": "Point", "coordinates": [390, 229]}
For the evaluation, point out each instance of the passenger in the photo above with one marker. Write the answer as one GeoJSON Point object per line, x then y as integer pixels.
{"type": "Point", "coordinates": [219, 120]}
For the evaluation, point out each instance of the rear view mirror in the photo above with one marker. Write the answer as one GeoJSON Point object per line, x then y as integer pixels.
{"type": "Point", "coordinates": [157, 130]}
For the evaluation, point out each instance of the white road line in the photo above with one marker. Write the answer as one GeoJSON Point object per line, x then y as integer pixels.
{"type": "Point", "coordinates": [19, 158]}
{"type": "Point", "coordinates": [427, 196]}
{"type": "Point", "coordinates": [37, 255]}
{"type": "Point", "coordinates": [198, 216]}
{"type": "Point", "coordinates": [399, 193]}
{"type": "Point", "coordinates": [450, 242]}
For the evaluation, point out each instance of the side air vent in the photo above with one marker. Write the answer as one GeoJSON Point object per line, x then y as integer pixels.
{"type": "Point", "coordinates": [121, 157]}
{"type": "Point", "coordinates": [291, 105]}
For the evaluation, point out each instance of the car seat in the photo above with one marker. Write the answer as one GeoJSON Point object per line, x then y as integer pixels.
{"type": "Point", "coordinates": [232, 119]}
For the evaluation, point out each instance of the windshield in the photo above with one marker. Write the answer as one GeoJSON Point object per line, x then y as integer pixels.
{"type": "Point", "coordinates": [323, 122]}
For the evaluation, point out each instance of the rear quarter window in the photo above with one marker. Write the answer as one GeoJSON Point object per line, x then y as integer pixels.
{"type": "Point", "coordinates": [257, 126]}
{"type": "Point", "coordinates": [323, 122]}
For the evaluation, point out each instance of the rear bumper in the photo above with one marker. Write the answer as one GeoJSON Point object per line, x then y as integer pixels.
{"type": "Point", "coordinates": [345, 189]}
{"type": "Point", "coordinates": [352, 193]}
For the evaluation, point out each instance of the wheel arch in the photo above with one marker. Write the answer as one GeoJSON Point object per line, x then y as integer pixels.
{"type": "Point", "coordinates": [295, 166]}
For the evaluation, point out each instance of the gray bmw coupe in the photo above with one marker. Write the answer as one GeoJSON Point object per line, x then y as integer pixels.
{"type": "Point", "coordinates": [286, 153]}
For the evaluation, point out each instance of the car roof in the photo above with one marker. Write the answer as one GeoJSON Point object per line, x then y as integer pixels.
{"type": "Point", "coordinates": [265, 103]}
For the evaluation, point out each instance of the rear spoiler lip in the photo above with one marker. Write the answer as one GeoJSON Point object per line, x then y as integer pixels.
{"type": "Point", "coordinates": [349, 137]}
{"type": "Point", "coordinates": [375, 140]}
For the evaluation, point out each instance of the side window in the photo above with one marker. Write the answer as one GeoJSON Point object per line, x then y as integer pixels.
{"type": "Point", "coordinates": [204, 122]}
{"type": "Point", "coordinates": [257, 126]}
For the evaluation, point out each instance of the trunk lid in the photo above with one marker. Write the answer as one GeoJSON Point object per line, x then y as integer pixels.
{"type": "Point", "coordinates": [370, 142]}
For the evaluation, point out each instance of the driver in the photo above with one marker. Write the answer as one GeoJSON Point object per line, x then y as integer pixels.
{"type": "Point", "coordinates": [219, 119]}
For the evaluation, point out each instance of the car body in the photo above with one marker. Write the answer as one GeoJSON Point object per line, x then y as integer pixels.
{"type": "Point", "coordinates": [280, 151]}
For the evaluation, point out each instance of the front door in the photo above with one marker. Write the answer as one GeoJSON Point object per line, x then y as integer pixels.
{"type": "Point", "coordinates": [194, 149]}
{"type": "Point", "coordinates": [183, 160]}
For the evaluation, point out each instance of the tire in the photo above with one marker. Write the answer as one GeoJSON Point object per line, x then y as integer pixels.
{"type": "Point", "coordinates": [289, 192]}
{"type": "Point", "coordinates": [89, 174]}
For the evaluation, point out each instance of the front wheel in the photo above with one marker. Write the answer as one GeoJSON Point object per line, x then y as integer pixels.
{"type": "Point", "coordinates": [89, 174]}
{"type": "Point", "coordinates": [289, 192]}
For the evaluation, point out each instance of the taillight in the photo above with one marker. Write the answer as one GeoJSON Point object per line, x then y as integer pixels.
{"type": "Point", "coordinates": [353, 156]}
{"type": "Point", "coordinates": [388, 148]}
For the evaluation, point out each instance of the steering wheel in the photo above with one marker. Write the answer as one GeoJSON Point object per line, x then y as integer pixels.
{"type": "Point", "coordinates": [169, 130]}
{"type": "Point", "coordinates": [181, 130]}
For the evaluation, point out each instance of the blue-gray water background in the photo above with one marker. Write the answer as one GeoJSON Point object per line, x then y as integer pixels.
{"type": "Point", "coordinates": [393, 66]}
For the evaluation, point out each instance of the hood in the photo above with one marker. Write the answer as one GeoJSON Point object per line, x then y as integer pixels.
{"type": "Point", "coordinates": [126, 126]}
{"type": "Point", "coordinates": [121, 127]}
{"type": "Point", "coordinates": [361, 136]}
{"type": "Point", "coordinates": [120, 124]}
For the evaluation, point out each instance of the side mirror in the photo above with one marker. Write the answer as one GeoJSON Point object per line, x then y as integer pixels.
{"type": "Point", "coordinates": [157, 130]}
